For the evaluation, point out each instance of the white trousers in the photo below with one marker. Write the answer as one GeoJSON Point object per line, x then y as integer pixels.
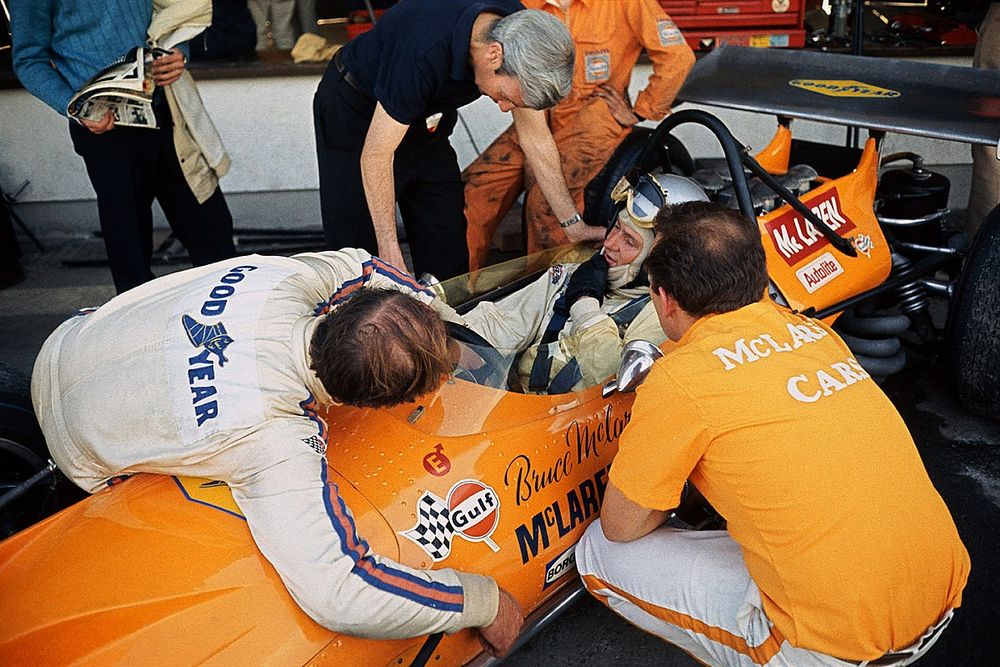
{"type": "Point", "coordinates": [692, 589]}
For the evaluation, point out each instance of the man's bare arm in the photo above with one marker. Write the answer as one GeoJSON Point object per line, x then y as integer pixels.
{"type": "Point", "coordinates": [499, 636]}
{"type": "Point", "coordinates": [542, 156]}
{"type": "Point", "coordinates": [384, 136]}
{"type": "Point", "coordinates": [624, 520]}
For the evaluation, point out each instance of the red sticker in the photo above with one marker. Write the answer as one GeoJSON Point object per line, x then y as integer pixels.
{"type": "Point", "coordinates": [436, 463]}
{"type": "Point", "coordinates": [795, 238]}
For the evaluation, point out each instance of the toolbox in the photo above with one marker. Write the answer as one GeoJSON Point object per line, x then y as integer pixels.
{"type": "Point", "coordinates": [762, 23]}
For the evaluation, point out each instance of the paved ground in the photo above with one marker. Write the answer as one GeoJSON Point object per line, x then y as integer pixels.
{"type": "Point", "coordinates": [962, 455]}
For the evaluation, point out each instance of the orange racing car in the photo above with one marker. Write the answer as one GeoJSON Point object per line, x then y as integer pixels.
{"type": "Point", "coordinates": [165, 568]}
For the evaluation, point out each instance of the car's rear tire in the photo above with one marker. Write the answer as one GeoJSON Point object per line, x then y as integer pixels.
{"type": "Point", "coordinates": [974, 324]}
{"type": "Point", "coordinates": [22, 454]}
{"type": "Point", "coordinates": [17, 416]}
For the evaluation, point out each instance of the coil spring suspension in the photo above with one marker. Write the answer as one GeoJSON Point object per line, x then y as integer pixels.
{"type": "Point", "coordinates": [874, 340]}
{"type": "Point", "coordinates": [912, 296]}
{"type": "Point", "coordinates": [914, 302]}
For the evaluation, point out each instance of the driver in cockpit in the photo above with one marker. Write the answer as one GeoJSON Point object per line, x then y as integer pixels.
{"type": "Point", "coordinates": [571, 323]}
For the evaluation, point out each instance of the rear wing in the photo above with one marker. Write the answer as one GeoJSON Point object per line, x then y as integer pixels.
{"type": "Point", "coordinates": [923, 99]}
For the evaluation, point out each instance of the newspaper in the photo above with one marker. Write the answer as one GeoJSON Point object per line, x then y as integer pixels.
{"type": "Point", "coordinates": [125, 88]}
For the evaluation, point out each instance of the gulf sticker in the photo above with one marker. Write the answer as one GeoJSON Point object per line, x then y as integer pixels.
{"type": "Point", "coordinates": [670, 34]}
{"type": "Point", "coordinates": [471, 511]}
{"type": "Point", "coordinates": [598, 66]}
{"type": "Point", "coordinates": [795, 238]}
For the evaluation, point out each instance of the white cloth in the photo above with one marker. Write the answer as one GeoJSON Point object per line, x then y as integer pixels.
{"type": "Point", "coordinates": [206, 373]}
{"type": "Point", "coordinates": [692, 589]}
{"type": "Point", "coordinates": [199, 147]}
{"type": "Point", "coordinates": [518, 322]}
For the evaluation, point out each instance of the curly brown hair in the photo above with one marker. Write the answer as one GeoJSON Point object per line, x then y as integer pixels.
{"type": "Point", "coordinates": [379, 349]}
{"type": "Point", "coordinates": [707, 257]}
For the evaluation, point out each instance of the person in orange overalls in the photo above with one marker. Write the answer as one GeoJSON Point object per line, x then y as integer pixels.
{"type": "Point", "coordinates": [589, 124]}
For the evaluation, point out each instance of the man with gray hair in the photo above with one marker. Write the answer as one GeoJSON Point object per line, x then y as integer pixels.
{"type": "Point", "coordinates": [388, 103]}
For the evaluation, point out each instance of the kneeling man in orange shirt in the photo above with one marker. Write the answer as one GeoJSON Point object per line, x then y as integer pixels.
{"type": "Point", "coordinates": [838, 549]}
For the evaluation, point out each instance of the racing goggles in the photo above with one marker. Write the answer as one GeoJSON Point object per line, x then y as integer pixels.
{"type": "Point", "coordinates": [642, 195]}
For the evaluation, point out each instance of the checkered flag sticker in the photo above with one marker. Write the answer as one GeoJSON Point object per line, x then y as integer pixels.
{"type": "Point", "coordinates": [433, 531]}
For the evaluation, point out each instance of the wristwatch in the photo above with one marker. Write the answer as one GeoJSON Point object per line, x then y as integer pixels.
{"type": "Point", "coordinates": [569, 222]}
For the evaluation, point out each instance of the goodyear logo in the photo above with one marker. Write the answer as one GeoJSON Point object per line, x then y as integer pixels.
{"type": "Point", "coordinates": [843, 88]}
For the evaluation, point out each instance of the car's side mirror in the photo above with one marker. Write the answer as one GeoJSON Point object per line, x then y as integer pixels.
{"type": "Point", "coordinates": [637, 359]}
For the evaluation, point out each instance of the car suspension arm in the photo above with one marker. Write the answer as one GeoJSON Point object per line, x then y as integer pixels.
{"type": "Point", "coordinates": [923, 267]}
{"type": "Point", "coordinates": [27, 484]}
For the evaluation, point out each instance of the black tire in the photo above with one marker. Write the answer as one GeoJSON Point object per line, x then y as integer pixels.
{"type": "Point", "coordinates": [22, 454]}
{"type": "Point", "coordinates": [17, 416]}
{"type": "Point", "coordinates": [974, 324]}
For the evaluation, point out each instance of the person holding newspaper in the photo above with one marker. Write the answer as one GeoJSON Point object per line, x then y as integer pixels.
{"type": "Point", "coordinates": [58, 47]}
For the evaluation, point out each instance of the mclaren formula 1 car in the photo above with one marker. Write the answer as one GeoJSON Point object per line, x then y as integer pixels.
{"type": "Point", "coordinates": [873, 250]}
{"type": "Point", "coordinates": [482, 478]}
{"type": "Point", "coordinates": [474, 477]}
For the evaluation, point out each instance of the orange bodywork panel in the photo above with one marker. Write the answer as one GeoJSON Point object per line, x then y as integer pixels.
{"type": "Point", "coordinates": [165, 568]}
{"type": "Point", "coordinates": [775, 156]}
{"type": "Point", "coordinates": [808, 271]}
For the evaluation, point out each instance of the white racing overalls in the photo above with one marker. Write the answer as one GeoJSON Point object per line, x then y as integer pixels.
{"type": "Point", "coordinates": [206, 373]}
{"type": "Point", "coordinates": [590, 335]}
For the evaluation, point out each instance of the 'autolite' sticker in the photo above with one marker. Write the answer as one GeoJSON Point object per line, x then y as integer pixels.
{"type": "Point", "coordinates": [795, 238]}
{"type": "Point", "coordinates": [819, 272]}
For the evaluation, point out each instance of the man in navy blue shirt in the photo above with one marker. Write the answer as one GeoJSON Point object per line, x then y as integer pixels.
{"type": "Point", "coordinates": [389, 100]}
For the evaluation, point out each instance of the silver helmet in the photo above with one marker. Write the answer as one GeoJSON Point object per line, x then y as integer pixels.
{"type": "Point", "coordinates": [638, 203]}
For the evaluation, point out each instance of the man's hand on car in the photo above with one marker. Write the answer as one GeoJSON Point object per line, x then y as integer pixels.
{"type": "Point", "coordinates": [589, 279]}
{"type": "Point", "coordinates": [499, 636]}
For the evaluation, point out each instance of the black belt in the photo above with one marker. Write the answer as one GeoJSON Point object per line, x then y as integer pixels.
{"type": "Point", "coordinates": [338, 62]}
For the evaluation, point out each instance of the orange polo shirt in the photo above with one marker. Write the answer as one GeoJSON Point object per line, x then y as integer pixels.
{"type": "Point", "coordinates": [770, 416]}
{"type": "Point", "coordinates": [609, 35]}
